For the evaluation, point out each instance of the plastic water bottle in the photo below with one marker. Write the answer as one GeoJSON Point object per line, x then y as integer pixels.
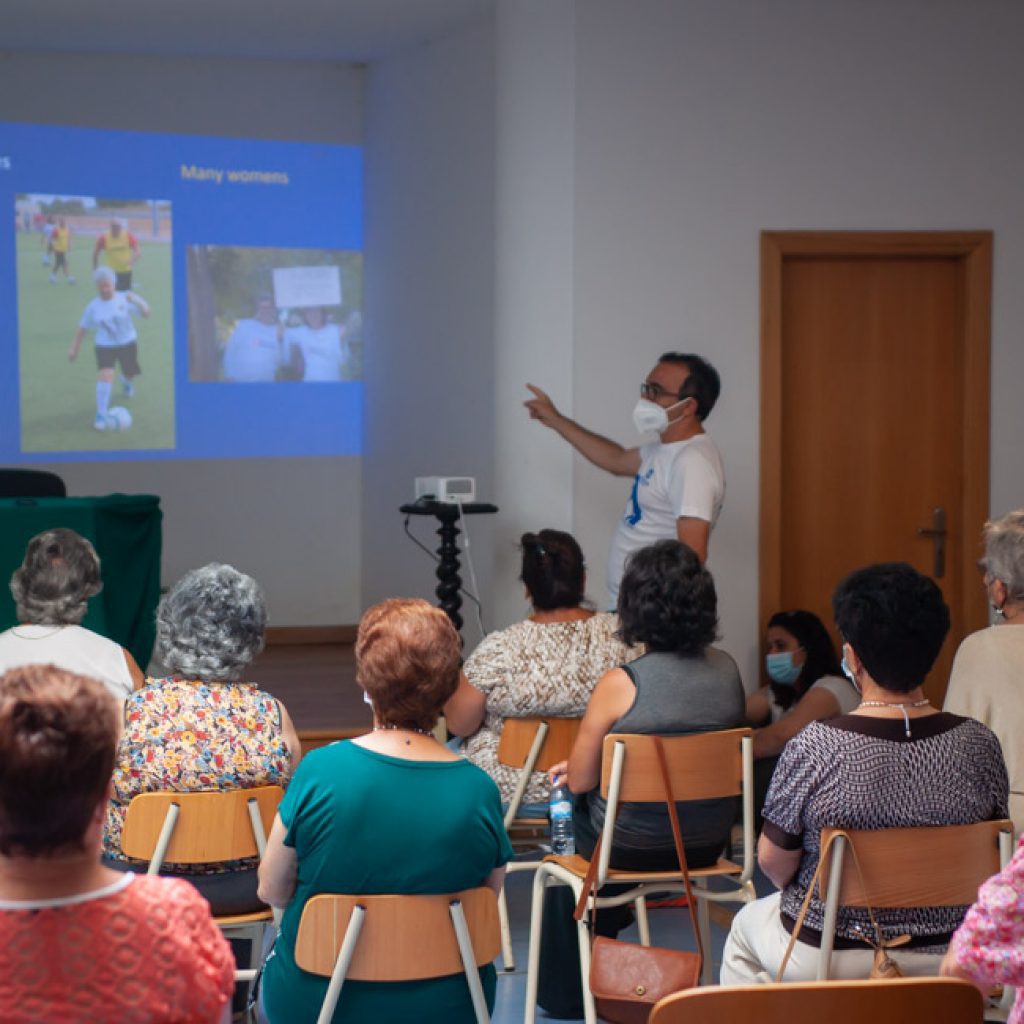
{"type": "Point", "coordinates": [562, 840]}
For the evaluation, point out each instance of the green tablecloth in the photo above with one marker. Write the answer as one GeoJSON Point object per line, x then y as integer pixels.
{"type": "Point", "coordinates": [125, 530]}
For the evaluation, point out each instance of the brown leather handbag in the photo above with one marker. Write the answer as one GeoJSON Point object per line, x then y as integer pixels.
{"type": "Point", "coordinates": [625, 978]}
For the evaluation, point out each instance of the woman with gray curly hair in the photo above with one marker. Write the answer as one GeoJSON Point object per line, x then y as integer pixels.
{"type": "Point", "coordinates": [201, 727]}
{"type": "Point", "coordinates": [987, 680]}
{"type": "Point", "coordinates": [51, 589]}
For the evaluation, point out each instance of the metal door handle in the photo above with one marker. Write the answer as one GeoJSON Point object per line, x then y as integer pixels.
{"type": "Point", "coordinates": [937, 532]}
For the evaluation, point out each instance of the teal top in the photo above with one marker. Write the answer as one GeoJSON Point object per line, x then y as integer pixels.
{"type": "Point", "coordinates": [364, 823]}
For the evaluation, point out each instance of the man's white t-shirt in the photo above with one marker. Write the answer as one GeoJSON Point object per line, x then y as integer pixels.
{"type": "Point", "coordinates": [683, 478]}
{"type": "Point", "coordinates": [111, 319]}
{"type": "Point", "coordinates": [323, 350]}
{"type": "Point", "coordinates": [253, 352]}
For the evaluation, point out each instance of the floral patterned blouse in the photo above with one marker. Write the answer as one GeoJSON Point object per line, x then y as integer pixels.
{"type": "Point", "coordinates": [989, 945]}
{"type": "Point", "coordinates": [191, 737]}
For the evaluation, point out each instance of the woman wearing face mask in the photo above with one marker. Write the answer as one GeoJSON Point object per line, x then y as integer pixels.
{"type": "Point", "coordinates": [805, 684]}
{"type": "Point", "coordinates": [987, 680]}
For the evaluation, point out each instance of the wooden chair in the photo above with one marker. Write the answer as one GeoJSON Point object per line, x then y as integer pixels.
{"type": "Point", "coordinates": [909, 867]}
{"type": "Point", "coordinates": [528, 745]}
{"type": "Point", "coordinates": [935, 1000]}
{"type": "Point", "coordinates": [398, 938]}
{"type": "Point", "coordinates": [701, 766]}
{"type": "Point", "coordinates": [204, 828]}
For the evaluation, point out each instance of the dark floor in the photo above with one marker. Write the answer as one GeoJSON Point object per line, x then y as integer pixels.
{"type": "Point", "coordinates": [317, 684]}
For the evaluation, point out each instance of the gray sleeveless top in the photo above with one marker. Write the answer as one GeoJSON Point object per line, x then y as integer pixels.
{"type": "Point", "coordinates": [676, 695]}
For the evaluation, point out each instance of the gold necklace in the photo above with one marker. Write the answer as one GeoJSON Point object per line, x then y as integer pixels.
{"type": "Point", "coordinates": [897, 704]}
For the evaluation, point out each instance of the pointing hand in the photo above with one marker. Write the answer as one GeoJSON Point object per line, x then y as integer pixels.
{"type": "Point", "coordinates": [541, 407]}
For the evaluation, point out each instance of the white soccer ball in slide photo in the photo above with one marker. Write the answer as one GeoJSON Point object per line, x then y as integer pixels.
{"type": "Point", "coordinates": [118, 418]}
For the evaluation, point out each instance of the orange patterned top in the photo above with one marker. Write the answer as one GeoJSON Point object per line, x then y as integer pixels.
{"type": "Point", "coordinates": [143, 950]}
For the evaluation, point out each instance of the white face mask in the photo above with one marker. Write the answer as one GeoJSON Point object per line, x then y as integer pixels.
{"type": "Point", "coordinates": [651, 418]}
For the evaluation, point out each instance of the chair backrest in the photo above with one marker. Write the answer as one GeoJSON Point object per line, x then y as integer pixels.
{"type": "Point", "coordinates": [701, 766]}
{"type": "Point", "coordinates": [935, 1000]}
{"type": "Point", "coordinates": [31, 483]}
{"type": "Point", "coordinates": [209, 827]}
{"type": "Point", "coordinates": [403, 938]}
{"type": "Point", "coordinates": [518, 736]}
{"type": "Point", "coordinates": [918, 867]}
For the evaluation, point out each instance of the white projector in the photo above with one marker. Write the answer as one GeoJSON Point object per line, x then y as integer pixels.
{"type": "Point", "coordinates": [451, 490]}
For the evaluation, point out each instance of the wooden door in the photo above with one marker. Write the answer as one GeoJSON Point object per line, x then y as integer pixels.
{"type": "Point", "coordinates": [875, 381]}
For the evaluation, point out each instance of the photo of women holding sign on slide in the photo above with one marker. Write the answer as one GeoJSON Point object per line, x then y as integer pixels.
{"type": "Point", "coordinates": [260, 316]}
{"type": "Point", "coordinates": [96, 362]}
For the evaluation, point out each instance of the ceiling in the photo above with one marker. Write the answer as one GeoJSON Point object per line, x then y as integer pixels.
{"type": "Point", "coordinates": [355, 31]}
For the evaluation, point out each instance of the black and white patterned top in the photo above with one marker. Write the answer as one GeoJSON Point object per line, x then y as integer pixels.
{"type": "Point", "coordinates": [859, 772]}
{"type": "Point", "coordinates": [538, 668]}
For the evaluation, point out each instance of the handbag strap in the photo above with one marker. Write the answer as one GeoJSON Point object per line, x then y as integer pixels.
{"type": "Point", "coordinates": [823, 856]}
{"type": "Point", "coordinates": [590, 880]}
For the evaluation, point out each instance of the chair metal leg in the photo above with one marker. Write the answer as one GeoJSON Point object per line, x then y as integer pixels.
{"type": "Point", "coordinates": [707, 974]}
{"type": "Point", "coordinates": [583, 934]}
{"type": "Point", "coordinates": [476, 989]}
{"type": "Point", "coordinates": [342, 964]}
{"type": "Point", "coordinates": [533, 956]}
{"type": "Point", "coordinates": [643, 925]}
{"type": "Point", "coordinates": [164, 840]}
{"type": "Point", "coordinates": [507, 959]}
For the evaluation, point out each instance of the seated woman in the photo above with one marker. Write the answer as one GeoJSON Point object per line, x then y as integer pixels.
{"type": "Point", "coordinates": [51, 589]}
{"type": "Point", "coordinates": [79, 942]}
{"type": "Point", "coordinates": [987, 681]}
{"type": "Point", "coordinates": [393, 811]}
{"type": "Point", "coordinates": [988, 948]}
{"type": "Point", "coordinates": [201, 728]}
{"type": "Point", "coordinates": [894, 762]}
{"type": "Point", "coordinates": [682, 685]}
{"type": "Point", "coordinates": [547, 664]}
{"type": "Point", "coordinates": [805, 685]}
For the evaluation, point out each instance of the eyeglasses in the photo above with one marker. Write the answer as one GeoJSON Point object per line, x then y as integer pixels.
{"type": "Point", "coordinates": [653, 392]}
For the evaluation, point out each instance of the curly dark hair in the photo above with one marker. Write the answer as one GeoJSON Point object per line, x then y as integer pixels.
{"type": "Point", "coordinates": [553, 569]}
{"type": "Point", "coordinates": [821, 659]}
{"type": "Point", "coordinates": [895, 619]}
{"type": "Point", "coordinates": [667, 600]}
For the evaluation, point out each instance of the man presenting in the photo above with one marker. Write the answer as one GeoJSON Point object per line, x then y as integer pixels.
{"type": "Point", "coordinates": [678, 480]}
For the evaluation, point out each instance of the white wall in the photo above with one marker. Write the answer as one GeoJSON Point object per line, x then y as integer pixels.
{"type": "Point", "coordinates": [695, 125]}
{"type": "Point", "coordinates": [429, 300]}
{"type": "Point", "coordinates": [699, 124]}
{"type": "Point", "coordinates": [534, 304]}
{"type": "Point", "coordinates": [294, 524]}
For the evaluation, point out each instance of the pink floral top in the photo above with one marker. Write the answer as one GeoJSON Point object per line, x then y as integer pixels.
{"type": "Point", "coordinates": [989, 945]}
{"type": "Point", "coordinates": [191, 737]}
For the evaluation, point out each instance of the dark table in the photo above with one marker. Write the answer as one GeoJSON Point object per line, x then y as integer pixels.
{"type": "Point", "coordinates": [125, 529]}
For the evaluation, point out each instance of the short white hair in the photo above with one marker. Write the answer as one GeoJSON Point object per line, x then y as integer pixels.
{"type": "Point", "coordinates": [1004, 552]}
{"type": "Point", "coordinates": [104, 274]}
{"type": "Point", "coordinates": [210, 625]}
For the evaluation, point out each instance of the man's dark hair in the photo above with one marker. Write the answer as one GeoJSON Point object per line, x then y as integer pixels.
{"type": "Point", "coordinates": [703, 384]}
{"type": "Point", "coordinates": [667, 600]}
{"type": "Point", "coordinates": [895, 619]}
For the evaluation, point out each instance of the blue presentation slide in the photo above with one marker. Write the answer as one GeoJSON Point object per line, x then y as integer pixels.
{"type": "Point", "coordinates": [173, 297]}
